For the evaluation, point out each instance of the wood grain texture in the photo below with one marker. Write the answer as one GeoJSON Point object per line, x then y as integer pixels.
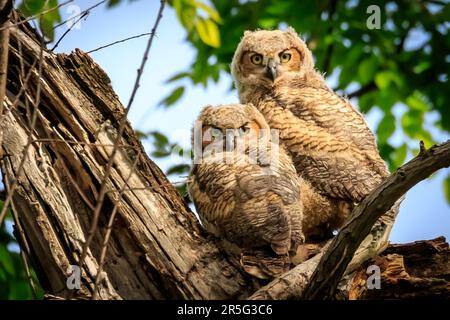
{"type": "Point", "coordinates": [412, 270]}
{"type": "Point", "coordinates": [157, 248]}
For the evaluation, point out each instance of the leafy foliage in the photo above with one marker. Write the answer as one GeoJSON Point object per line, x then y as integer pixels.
{"type": "Point", "coordinates": [46, 20]}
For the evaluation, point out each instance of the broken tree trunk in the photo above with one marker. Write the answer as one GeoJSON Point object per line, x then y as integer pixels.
{"type": "Point", "coordinates": [156, 249]}
{"type": "Point", "coordinates": [412, 270]}
{"type": "Point", "coordinates": [62, 115]}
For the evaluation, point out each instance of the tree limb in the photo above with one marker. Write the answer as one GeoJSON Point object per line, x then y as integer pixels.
{"type": "Point", "coordinates": [333, 263]}
{"type": "Point", "coordinates": [5, 11]}
{"type": "Point", "coordinates": [156, 248]}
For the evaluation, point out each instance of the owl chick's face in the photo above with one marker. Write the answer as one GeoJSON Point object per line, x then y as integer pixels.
{"type": "Point", "coordinates": [226, 127]}
{"type": "Point", "coordinates": [264, 57]}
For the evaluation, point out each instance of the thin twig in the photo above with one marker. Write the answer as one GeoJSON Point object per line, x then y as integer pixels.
{"type": "Point", "coordinates": [5, 10]}
{"type": "Point", "coordinates": [68, 30]}
{"type": "Point", "coordinates": [119, 41]}
{"type": "Point", "coordinates": [80, 14]}
{"type": "Point", "coordinates": [109, 229]}
{"type": "Point", "coordinates": [24, 246]}
{"type": "Point", "coordinates": [121, 129]}
{"type": "Point", "coordinates": [149, 187]}
{"type": "Point", "coordinates": [80, 143]}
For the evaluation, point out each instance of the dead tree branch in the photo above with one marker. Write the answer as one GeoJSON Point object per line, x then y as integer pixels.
{"type": "Point", "coordinates": [5, 11]}
{"type": "Point", "coordinates": [122, 124]}
{"type": "Point", "coordinates": [326, 273]}
{"type": "Point", "coordinates": [147, 243]}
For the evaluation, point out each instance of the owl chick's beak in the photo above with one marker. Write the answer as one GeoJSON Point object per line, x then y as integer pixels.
{"type": "Point", "coordinates": [271, 70]}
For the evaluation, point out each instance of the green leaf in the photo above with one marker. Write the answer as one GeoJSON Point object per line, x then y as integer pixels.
{"type": "Point", "coordinates": [6, 260]}
{"type": "Point", "coordinates": [412, 122]}
{"type": "Point", "coordinates": [208, 32]}
{"type": "Point", "coordinates": [140, 135]}
{"type": "Point", "coordinates": [113, 3]}
{"type": "Point", "coordinates": [346, 77]}
{"type": "Point", "coordinates": [172, 98]}
{"type": "Point", "coordinates": [186, 13]}
{"type": "Point", "coordinates": [399, 155]}
{"type": "Point", "coordinates": [182, 190]}
{"type": "Point", "coordinates": [160, 140]}
{"type": "Point", "coordinates": [213, 14]}
{"type": "Point", "coordinates": [20, 290]}
{"type": "Point", "coordinates": [421, 67]}
{"type": "Point", "coordinates": [46, 26]}
{"type": "Point", "coordinates": [179, 169]}
{"type": "Point", "coordinates": [31, 7]}
{"type": "Point", "coordinates": [385, 151]}
{"type": "Point", "coordinates": [48, 20]}
{"type": "Point", "coordinates": [268, 23]}
{"type": "Point", "coordinates": [383, 79]}
{"type": "Point", "coordinates": [367, 70]}
{"type": "Point", "coordinates": [446, 185]}
{"type": "Point", "coordinates": [386, 128]}
{"type": "Point", "coordinates": [178, 76]}
{"type": "Point", "coordinates": [160, 153]}
{"type": "Point", "coordinates": [367, 101]}
{"type": "Point", "coordinates": [416, 101]}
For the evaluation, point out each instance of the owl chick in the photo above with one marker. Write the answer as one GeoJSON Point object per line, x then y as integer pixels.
{"type": "Point", "coordinates": [329, 140]}
{"type": "Point", "coordinates": [244, 187]}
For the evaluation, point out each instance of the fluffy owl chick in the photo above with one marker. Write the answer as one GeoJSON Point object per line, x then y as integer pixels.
{"type": "Point", "coordinates": [244, 187]}
{"type": "Point", "coordinates": [329, 140]}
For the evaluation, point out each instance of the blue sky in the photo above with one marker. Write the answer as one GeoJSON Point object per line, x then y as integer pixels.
{"type": "Point", "coordinates": [423, 215]}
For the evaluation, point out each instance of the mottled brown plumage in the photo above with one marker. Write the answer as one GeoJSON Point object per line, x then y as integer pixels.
{"type": "Point", "coordinates": [248, 195]}
{"type": "Point", "coordinates": [328, 139]}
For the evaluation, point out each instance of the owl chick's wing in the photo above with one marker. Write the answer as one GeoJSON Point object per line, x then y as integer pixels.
{"type": "Point", "coordinates": [330, 143]}
{"type": "Point", "coordinates": [327, 110]}
{"type": "Point", "coordinates": [263, 208]}
{"type": "Point", "coordinates": [243, 205]}
{"type": "Point", "coordinates": [211, 188]}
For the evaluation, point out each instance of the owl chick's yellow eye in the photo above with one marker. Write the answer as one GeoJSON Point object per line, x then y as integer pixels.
{"type": "Point", "coordinates": [244, 130]}
{"type": "Point", "coordinates": [256, 58]}
{"type": "Point", "coordinates": [285, 57]}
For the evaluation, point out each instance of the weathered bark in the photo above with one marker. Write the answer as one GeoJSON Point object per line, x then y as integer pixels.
{"type": "Point", "coordinates": [413, 270]}
{"type": "Point", "coordinates": [157, 249]}
{"type": "Point", "coordinates": [5, 10]}
{"type": "Point", "coordinates": [344, 247]}
{"type": "Point", "coordinates": [347, 251]}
